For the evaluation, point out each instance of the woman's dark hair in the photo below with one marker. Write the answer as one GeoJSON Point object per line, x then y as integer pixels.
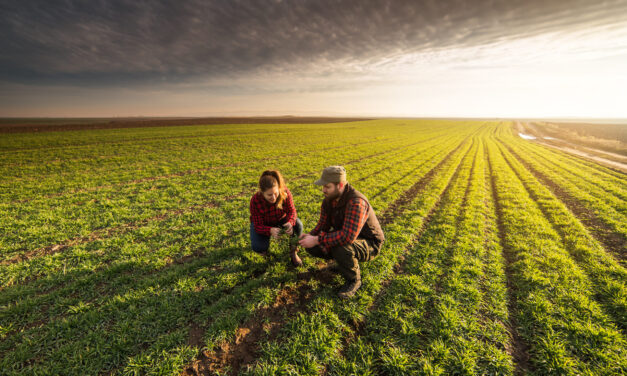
{"type": "Point", "coordinates": [273, 178]}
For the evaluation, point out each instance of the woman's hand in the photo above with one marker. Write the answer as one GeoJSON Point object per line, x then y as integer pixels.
{"type": "Point", "coordinates": [275, 232]}
{"type": "Point", "coordinates": [288, 228]}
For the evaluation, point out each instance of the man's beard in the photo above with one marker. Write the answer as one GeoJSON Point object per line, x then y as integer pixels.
{"type": "Point", "coordinates": [334, 195]}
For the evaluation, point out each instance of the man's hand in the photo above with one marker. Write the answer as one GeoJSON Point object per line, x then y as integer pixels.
{"type": "Point", "coordinates": [288, 228]}
{"type": "Point", "coordinates": [275, 232]}
{"type": "Point", "coordinates": [308, 241]}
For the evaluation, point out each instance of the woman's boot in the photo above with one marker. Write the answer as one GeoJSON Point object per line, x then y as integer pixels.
{"type": "Point", "coordinates": [296, 261]}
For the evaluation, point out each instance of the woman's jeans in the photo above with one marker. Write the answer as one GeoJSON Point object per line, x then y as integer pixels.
{"type": "Point", "coordinates": [261, 243]}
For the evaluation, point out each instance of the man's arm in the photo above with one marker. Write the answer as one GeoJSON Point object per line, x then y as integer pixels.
{"type": "Point", "coordinates": [321, 223]}
{"type": "Point", "coordinates": [354, 219]}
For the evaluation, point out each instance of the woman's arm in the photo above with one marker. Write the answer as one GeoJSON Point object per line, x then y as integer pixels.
{"type": "Point", "coordinates": [289, 208]}
{"type": "Point", "coordinates": [256, 217]}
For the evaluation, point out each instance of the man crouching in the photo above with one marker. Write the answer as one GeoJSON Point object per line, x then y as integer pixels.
{"type": "Point", "coordinates": [348, 230]}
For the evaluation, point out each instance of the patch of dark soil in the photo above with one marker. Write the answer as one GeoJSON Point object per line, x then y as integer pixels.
{"type": "Point", "coordinates": [325, 274]}
{"type": "Point", "coordinates": [263, 326]}
{"type": "Point", "coordinates": [195, 335]}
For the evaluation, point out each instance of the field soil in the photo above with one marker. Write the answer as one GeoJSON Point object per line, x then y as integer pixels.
{"type": "Point", "coordinates": [127, 252]}
{"type": "Point", "coordinates": [53, 125]}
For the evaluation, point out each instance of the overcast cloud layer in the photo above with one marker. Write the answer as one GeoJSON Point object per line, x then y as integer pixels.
{"type": "Point", "coordinates": [105, 42]}
{"type": "Point", "coordinates": [354, 57]}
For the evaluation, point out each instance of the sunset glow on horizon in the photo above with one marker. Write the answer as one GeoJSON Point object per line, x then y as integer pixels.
{"type": "Point", "coordinates": [451, 58]}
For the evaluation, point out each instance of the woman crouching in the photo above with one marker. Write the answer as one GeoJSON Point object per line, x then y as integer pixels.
{"type": "Point", "coordinates": [271, 210]}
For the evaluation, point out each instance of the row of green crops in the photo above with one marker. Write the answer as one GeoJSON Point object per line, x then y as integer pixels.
{"type": "Point", "coordinates": [566, 330]}
{"type": "Point", "coordinates": [47, 221]}
{"type": "Point", "coordinates": [600, 191]}
{"type": "Point", "coordinates": [79, 293]}
{"type": "Point", "coordinates": [56, 171]}
{"type": "Point", "coordinates": [310, 340]}
{"type": "Point", "coordinates": [607, 276]}
{"type": "Point", "coordinates": [116, 245]}
{"type": "Point", "coordinates": [394, 329]}
{"type": "Point", "coordinates": [83, 260]}
{"type": "Point", "coordinates": [447, 312]}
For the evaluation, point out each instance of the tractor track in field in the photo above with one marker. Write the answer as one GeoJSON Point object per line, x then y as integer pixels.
{"type": "Point", "coordinates": [610, 240]}
{"type": "Point", "coordinates": [518, 349]}
{"type": "Point", "coordinates": [265, 324]}
{"type": "Point", "coordinates": [241, 351]}
{"type": "Point", "coordinates": [594, 158]}
{"type": "Point", "coordinates": [116, 230]}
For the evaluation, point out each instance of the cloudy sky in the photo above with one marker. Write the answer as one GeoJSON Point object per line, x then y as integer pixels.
{"type": "Point", "coordinates": [448, 58]}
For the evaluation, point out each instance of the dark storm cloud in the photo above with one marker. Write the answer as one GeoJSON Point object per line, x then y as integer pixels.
{"type": "Point", "coordinates": [110, 42]}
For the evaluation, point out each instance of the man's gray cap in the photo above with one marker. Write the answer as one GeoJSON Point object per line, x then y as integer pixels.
{"type": "Point", "coordinates": [332, 174]}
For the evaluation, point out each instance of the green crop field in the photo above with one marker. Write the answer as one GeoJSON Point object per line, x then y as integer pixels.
{"type": "Point", "coordinates": [126, 252]}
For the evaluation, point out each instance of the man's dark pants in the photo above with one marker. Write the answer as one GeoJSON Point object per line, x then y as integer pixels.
{"type": "Point", "coordinates": [348, 256]}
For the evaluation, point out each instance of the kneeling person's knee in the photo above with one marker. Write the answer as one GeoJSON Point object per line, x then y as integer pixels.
{"type": "Point", "coordinates": [259, 249]}
{"type": "Point", "coordinates": [342, 252]}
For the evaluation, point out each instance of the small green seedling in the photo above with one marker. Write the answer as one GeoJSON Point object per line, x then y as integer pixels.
{"type": "Point", "coordinates": [292, 240]}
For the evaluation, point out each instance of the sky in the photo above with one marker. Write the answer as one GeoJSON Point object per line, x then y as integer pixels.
{"type": "Point", "coordinates": [405, 58]}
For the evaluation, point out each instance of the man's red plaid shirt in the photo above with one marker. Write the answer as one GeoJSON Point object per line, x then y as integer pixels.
{"type": "Point", "coordinates": [354, 219]}
{"type": "Point", "coordinates": [265, 215]}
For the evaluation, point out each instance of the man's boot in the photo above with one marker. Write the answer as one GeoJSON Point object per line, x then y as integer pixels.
{"type": "Point", "coordinates": [296, 261]}
{"type": "Point", "coordinates": [349, 289]}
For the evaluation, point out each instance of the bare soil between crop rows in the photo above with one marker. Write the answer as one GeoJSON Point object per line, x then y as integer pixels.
{"type": "Point", "coordinates": [612, 241]}
{"type": "Point", "coordinates": [398, 206]}
{"type": "Point", "coordinates": [519, 350]}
